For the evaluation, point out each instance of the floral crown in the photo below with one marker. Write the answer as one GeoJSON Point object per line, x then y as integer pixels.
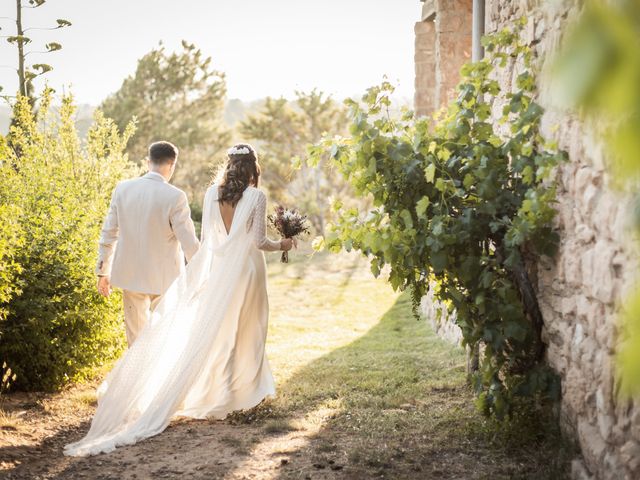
{"type": "Point", "coordinates": [238, 150]}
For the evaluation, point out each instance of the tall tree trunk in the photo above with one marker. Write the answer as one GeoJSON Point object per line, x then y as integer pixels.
{"type": "Point", "coordinates": [20, 32]}
{"type": "Point", "coordinates": [532, 308]}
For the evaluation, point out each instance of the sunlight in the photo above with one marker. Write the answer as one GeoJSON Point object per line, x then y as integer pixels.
{"type": "Point", "coordinates": [308, 321]}
{"type": "Point", "coordinates": [268, 456]}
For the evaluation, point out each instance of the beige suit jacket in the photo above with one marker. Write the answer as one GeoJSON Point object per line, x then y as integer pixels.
{"type": "Point", "coordinates": [146, 231]}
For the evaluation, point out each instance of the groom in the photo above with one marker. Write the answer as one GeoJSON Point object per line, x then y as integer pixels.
{"type": "Point", "coordinates": [140, 247]}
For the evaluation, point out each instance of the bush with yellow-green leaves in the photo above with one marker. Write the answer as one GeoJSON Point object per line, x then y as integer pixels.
{"type": "Point", "coordinates": [54, 192]}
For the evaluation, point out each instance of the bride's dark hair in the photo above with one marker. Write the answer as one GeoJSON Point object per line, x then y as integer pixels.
{"type": "Point", "coordinates": [241, 171]}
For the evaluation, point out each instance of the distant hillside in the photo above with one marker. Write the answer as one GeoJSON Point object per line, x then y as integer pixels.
{"type": "Point", "coordinates": [5, 119]}
{"type": "Point", "coordinates": [235, 111]}
{"type": "Point", "coordinates": [83, 121]}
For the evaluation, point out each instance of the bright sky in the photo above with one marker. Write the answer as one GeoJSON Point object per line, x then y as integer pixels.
{"type": "Point", "coordinates": [265, 47]}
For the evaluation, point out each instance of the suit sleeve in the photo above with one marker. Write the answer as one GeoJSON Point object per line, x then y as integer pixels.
{"type": "Point", "coordinates": [108, 238]}
{"type": "Point", "coordinates": [182, 226]}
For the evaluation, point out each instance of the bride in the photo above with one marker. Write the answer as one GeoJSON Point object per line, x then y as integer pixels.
{"type": "Point", "coordinates": [202, 354]}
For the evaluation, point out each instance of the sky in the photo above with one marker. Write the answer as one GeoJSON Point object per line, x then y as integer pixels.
{"type": "Point", "coordinates": [265, 47]}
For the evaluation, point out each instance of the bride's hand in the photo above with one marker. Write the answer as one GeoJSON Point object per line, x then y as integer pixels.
{"type": "Point", "coordinates": [286, 244]}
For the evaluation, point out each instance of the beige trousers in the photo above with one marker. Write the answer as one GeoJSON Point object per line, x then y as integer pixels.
{"type": "Point", "coordinates": [137, 310]}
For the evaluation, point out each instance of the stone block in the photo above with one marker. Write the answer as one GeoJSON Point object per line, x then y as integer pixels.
{"type": "Point", "coordinates": [578, 336]}
{"type": "Point", "coordinates": [630, 455]}
{"type": "Point", "coordinates": [583, 178]}
{"type": "Point", "coordinates": [588, 348]}
{"type": "Point", "coordinates": [571, 265]}
{"type": "Point", "coordinates": [605, 424]}
{"type": "Point", "coordinates": [579, 470]}
{"type": "Point", "coordinates": [603, 287]}
{"type": "Point", "coordinates": [567, 174]}
{"type": "Point", "coordinates": [586, 267]}
{"type": "Point", "coordinates": [557, 358]}
{"type": "Point", "coordinates": [605, 332]}
{"type": "Point", "coordinates": [566, 213]}
{"type": "Point", "coordinates": [634, 428]}
{"type": "Point", "coordinates": [592, 445]}
{"type": "Point", "coordinates": [568, 306]}
{"type": "Point", "coordinates": [604, 215]}
{"type": "Point", "coordinates": [574, 389]}
{"type": "Point", "coordinates": [584, 307]}
{"type": "Point", "coordinates": [584, 233]}
{"type": "Point", "coordinates": [622, 221]}
{"type": "Point", "coordinates": [574, 145]}
{"type": "Point", "coordinates": [611, 468]}
{"type": "Point", "coordinates": [589, 200]}
{"type": "Point", "coordinates": [548, 314]}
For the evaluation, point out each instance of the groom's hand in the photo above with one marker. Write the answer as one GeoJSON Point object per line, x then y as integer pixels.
{"type": "Point", "coordinates": [104, 286]}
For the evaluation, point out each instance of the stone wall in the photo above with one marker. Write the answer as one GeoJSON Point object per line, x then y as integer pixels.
{"type": "Point", "coordinates": [581, 289]}
{"type": "Point", "coordinates": [443, 45]}
{"type": "Point", "coordinates": [442, 322]}
{"type": "Point", "coordinates": [453, 46]}
{"type": "Point", "coordinates": [425, 61]}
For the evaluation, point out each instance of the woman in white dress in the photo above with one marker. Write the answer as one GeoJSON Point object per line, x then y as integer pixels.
{"type": "Point", "coordinates": [202, 355]}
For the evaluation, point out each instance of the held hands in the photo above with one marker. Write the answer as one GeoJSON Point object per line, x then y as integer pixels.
{"type": "Point", "coordinates": [104, 286]}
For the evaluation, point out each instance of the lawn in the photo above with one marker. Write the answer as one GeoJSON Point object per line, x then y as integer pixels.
{"type": "Point", "coordinates": [364, 391]}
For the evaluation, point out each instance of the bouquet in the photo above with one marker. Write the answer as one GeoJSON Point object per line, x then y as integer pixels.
{"type": "Point", "coordinates": [289, 224]}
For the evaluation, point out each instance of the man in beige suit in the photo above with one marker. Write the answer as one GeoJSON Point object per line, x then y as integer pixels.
{"type": "Point", "coordinates": [146, 231]}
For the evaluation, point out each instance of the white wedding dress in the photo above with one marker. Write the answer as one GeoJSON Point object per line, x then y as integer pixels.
{"type": "Point", "coordinates": [202, 355]}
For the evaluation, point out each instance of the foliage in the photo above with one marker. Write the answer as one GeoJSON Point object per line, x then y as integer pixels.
{"type": "Point", "coordinates": [176, 97]}
{"type": "Point", "coordinates": [7, 377]}
{"type": "Point", "coordinates": [281, 131]}
{"type": "Point", "coordinates": [28, 73]}
{"type": "Point", "coordinates": [598, 71]}
{"type": "Point", "coordinates": [461, 205]}
{"type": "Point", "coordinates": [11, 241]}
{"type": "Point", "coordinates": [55, 192]}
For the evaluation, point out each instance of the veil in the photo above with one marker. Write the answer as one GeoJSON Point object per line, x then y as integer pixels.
{"type": "Point", "coordinates": [155, 378]}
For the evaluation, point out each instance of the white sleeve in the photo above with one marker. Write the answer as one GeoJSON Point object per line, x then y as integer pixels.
{"type": "Point", "coordinates": [258, 222]}
{"type": "Point", "coordinates": [206, 213]}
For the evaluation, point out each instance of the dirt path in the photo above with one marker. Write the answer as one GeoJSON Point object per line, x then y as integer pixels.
{"type": "Point", "coordinates": [364, 391]}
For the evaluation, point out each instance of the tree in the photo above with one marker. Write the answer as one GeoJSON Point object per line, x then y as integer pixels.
{"type": "Point", "coordinates": [54, 327]}
{"type": "Point", "coordinates": [282, 130]}
{"type": "Point", "coordinates": [176, 97]}
{"type": "Point", "coordinates": [28, 72]}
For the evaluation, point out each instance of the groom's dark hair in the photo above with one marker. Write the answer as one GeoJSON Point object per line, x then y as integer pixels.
{"type": "Point", "coordinates": [161, 153]}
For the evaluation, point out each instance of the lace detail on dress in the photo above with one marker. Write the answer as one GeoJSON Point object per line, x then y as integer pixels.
{"type": "Point", "coordinates": [258, 221]}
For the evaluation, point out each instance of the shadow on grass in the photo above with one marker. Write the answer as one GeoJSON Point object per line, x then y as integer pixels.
{"type": "Point", "coordinates": [391, 404]}
{"type": "Point", "coordinates": [397, 405]}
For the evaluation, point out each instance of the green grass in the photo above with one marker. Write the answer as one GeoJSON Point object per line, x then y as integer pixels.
{"type": "Point", "coordinates": [364, 391]}
{"type": "Point", "coordinates": [380, 392]}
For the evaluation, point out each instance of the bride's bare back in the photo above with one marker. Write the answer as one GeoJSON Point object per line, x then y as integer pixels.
{"type": "Point", "coordinates": [227, 212]}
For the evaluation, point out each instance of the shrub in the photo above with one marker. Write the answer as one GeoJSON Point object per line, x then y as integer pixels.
{"type": "Point", "coordinates": [461, 204]}
{"type": "Point", "coordinates": [55, 191]}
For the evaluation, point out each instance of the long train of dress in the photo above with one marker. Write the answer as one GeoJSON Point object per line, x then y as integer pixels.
{"type": "Point", "coordinates": [202, 354]}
